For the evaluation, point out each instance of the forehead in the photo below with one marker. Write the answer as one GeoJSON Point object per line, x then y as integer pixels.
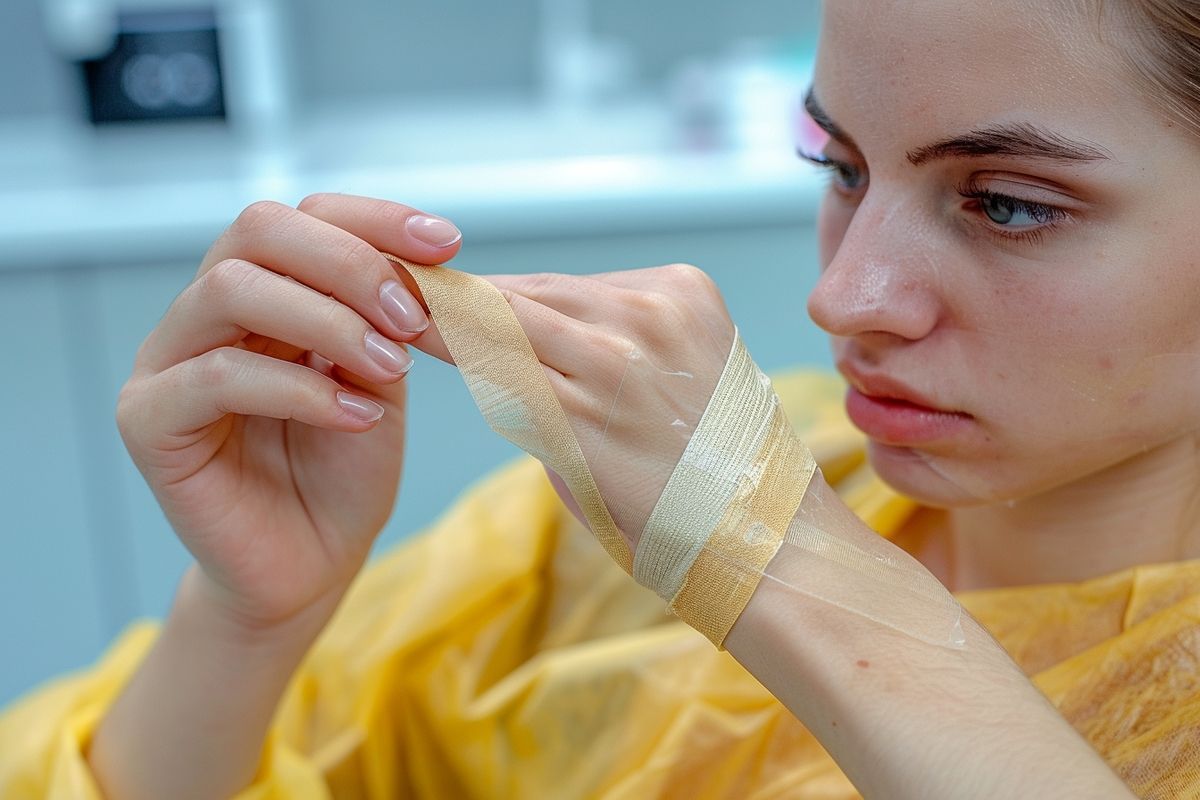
{"type": "Point", "coordinates": [942, 66]}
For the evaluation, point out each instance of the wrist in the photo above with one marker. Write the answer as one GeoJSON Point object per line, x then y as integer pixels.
{"type": "Point", "coordinates": [203, 607]}
{"type": "Point", "coordinates": [192, 720]}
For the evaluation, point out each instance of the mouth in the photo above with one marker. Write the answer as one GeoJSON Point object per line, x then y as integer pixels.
{"type": "Point", "coordinates": [894, 413]}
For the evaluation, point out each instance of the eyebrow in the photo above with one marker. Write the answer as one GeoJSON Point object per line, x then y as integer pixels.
{"type": "Point", "coordinates": [1021, 139]}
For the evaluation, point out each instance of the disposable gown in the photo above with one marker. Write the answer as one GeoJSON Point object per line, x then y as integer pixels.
{"type": "Point", "coordinates": [501, 654]}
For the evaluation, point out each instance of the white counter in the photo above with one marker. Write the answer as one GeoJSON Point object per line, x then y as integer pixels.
{"type": "Point", "coordinates": [138, 195]}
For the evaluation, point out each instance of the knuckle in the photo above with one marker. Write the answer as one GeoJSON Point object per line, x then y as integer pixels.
{"type": "Point", "coordinates": [389, 216]}
{"type": "Point", "coordinates": [139, 358]}
{"type": "Point", "coordinates": [126, 415]}
{"type": "Point", "coordinates": [684, 294]}
{"type": "Point", "coordinates": [306, 389]}
{"type": "Point", "coordinates": [357, 257]}
{"type": "Point", "coordinates": [228, 279]}
{"type": "Point", "coordinates": [669, 312]}
{"type": "Point", "coordinates": [338, 320]}
{"type": "Point", "coordinates": [218, 367]}
{"type": "Point", "coordinates": [610, 342]}
{"type": "Point", "coordinates": [652, 303]}
{"type": "Point", "coordinates": [538, 283]}
{"type": "Point", "coordinates": [689, 278]}
{"type": "Point", "coordinates": [314, 391]}
{"type": "Point", "coordinates": [509, 295]}
{"type": "Point", "coordinates": [260, 216]}
{"type": "Point", "coordinates": [312, 202]}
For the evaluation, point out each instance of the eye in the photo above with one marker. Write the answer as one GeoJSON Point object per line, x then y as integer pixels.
{"type": "Point", "coordinates": [1012, 217]}
{"type": "Point", "coordinates": [1011, 212]}
{"type": "Point", "coordinates": [846, 177]}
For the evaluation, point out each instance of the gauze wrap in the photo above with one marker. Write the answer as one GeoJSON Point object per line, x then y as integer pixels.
{"type": "Point", "coordinates": [727, 505]}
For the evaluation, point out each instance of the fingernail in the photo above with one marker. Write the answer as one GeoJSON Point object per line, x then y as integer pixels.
{"type": "Point", "coordinates": [361, 407]}
{"type": "Point", "coordinates": [387, 354]}
{"type": "Point", "coordinates": [402, 308]}
{"type": "Point", "coordinates": [432, 230]}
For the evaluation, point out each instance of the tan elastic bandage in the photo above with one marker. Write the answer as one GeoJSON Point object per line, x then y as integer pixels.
{"type": "Point", "coordinates": [508, 383]}
{"type": "Point", "coordinates": [727, 506]}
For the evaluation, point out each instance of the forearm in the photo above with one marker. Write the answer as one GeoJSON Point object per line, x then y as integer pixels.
{"type": "Point", "coordinates": [902, 717]}
{"type": "Point", "coordinates": [192, 721]}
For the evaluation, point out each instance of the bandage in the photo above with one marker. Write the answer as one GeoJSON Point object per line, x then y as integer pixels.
{"type": "Point", "coordinates": [731, 501]}
{"type": "Point", "coordinates": [728, 503]}
{"type": "Point", "coordinates": [507, 381]}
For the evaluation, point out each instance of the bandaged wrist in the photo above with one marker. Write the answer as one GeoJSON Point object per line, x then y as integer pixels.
{"type": "Point", "coordinates": [729, 501]}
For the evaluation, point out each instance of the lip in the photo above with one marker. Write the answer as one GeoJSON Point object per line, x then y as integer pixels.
{"type": "Point", "coordinates": [893, 413]}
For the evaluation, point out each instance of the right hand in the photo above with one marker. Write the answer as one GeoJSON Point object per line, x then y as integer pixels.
{"type": "Point", "coordinates": [266, 409]}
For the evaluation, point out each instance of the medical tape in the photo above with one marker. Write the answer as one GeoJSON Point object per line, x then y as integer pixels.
{"type": "Point", "coordinates": [728, 504]}
{"type": "Point", "coordinates": [508, 384]}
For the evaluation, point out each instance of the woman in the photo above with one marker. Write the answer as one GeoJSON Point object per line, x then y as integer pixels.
{"type": "Point", "coordinates": [1009, 277]}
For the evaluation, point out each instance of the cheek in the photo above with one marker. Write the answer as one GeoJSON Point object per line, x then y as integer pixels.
{"type": "Point", "coordinates": [1089, 379]}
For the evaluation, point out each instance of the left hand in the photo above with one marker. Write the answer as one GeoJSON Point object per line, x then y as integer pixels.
{"type": "Point", "coordinates": [633, 357]}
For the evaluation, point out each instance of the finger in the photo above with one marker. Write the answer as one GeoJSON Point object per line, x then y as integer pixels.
{"type": "Point", "coordinates": [315, 361]}
{"type": "Point", "coordinates": [324, 257]}
{"type": "Point", "coordinates": [236, 297]}
{"type": "Point", "coordinates": [268, 346]}
{"type": "Point", "coordinates": [194, 394]}
{"type": "Point", "coordinates": [391, 227]}
{"type": "Point", "coordinates": [559, 341]}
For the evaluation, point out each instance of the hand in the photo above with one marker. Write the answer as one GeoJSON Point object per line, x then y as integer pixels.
{"type": "Point", "coordinates": [632, 356]}
{"type": "Point", "coordinates": [266, 410]}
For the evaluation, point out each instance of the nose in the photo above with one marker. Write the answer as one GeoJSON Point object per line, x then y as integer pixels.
{"type": "Point", "coordinates": [880, 283]}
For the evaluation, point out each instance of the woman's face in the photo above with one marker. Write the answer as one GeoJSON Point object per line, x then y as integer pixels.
{"type": "Point", "coordinates": [1011, 233]}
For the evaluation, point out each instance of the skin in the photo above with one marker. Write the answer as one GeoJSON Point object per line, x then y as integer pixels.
{"type": "Point", "coordinates": [1075, 347]}
{"type": "Point", "coordinates": [239, 431]}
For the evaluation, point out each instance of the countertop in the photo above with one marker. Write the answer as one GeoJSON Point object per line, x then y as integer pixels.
{"type": "Point", "coordinates": [70, 194]}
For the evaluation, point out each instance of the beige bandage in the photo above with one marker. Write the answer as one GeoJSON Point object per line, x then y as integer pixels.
{"type": "Point", "coordinates": [508, 383]}
{"type": "Point", "coordinates": [727, 506]}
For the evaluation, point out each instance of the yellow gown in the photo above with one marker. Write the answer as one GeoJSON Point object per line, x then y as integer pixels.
{"type": "Point", "coordinates": [502, 654]}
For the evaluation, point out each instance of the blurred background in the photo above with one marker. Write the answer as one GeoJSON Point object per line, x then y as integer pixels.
{"type": "Point", "coordinates": [560, 135]}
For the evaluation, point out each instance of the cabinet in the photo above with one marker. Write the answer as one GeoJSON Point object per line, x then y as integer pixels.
{"type": "Point", "coordinates": [55, 611]}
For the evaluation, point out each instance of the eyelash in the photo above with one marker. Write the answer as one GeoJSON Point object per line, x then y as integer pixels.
{"type": "Point", "coordinates": [1048, 216]}
{"type": "Point", "coordinates": [836, 170]}
{"type": "Point", "coordinates": [846, 178]}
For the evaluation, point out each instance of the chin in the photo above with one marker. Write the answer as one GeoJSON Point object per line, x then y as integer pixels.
{"type": "Point", "coordinates": [930, 480]}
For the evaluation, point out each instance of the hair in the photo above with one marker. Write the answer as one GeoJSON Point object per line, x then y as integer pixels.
{"type": "Point", "coordinates": [1166, 53]}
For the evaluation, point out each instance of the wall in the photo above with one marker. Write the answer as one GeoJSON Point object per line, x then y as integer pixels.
{"type": "Point", "coordinates": [368, 48]}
